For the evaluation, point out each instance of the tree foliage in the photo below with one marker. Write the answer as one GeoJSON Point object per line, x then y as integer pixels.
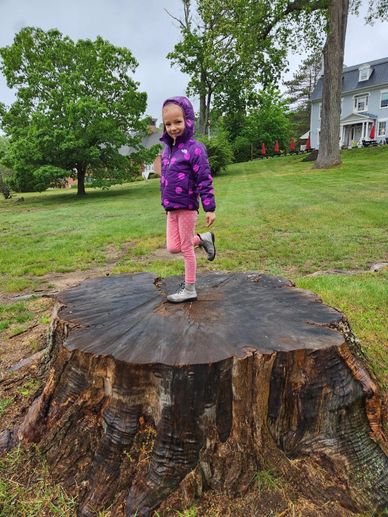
{"type": "Point", "coordinates": [76, 105]}
{"type": "Point", "coordinates": [5, 173]}
{"type": "Point", "coordinates": [219, 150]}
{"type": "Point", "coordinates": [230, 47]}
{"type": "Point", "coordinates": [299, 90]}
{"type": "Point", "coordinates": [266, 123]}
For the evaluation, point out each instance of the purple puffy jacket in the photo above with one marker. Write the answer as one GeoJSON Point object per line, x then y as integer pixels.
{"type": "Point", "coordinates": [186, 175]}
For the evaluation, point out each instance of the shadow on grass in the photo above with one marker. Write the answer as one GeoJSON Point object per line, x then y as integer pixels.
{"type": "Point", "coordinates": [135, 190]}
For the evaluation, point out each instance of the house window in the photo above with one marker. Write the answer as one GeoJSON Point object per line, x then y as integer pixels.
{"type": "Point", "coordinates": [364, 73]}
{"type": "Point", "coordinates": [361, 102]}
{"type": "Point", "coordinates": [384, 100]}
{"type": "Point", "coordinates": [320, 111]}
{"type": "Point", "coordinates": [382, 128]}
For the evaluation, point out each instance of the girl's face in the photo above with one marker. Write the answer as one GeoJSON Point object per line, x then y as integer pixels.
{"type": "Point", "coordinates": [174, 120]}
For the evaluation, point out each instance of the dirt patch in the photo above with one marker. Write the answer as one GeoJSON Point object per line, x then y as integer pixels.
{"type": "Point", "coordinates": [13, 350]}
{"type": "Point", "coordinates": [21, 377]}
{"type": "Point", "coordinates": [163, 254]}
{"type": "Point", "coordinates": [61, 281]}
{"type": "Point", "coordinates": [375, 268]}
{"type": "Point", "coordinates": [114, 254]}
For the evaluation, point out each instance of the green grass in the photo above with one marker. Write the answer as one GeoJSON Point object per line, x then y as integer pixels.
{"type": "Point", "coordinates": [11, 313]}
{"type": "Point", "coordinates": [279, 216]}
{"type": "Point", "coordinates": [267, 480]}
{"type": "Point", "coordinates": [26, 489]}
{"type": "Point", "coordinates": [363, 298]}
{"type": "Point", "coordinates": [29, 387]}
{"type": "Point", "coordinates": [4, 403]}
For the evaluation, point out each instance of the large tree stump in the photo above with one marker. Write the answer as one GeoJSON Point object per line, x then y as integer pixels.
{"type": "Point", "coordinates": [145, 399]}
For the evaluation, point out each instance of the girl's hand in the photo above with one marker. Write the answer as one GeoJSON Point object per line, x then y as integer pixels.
{"type": "Point", "coordinates": [210, 218]}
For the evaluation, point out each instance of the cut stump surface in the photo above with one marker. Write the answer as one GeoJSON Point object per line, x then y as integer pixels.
{"type": "Point", "coordinates": [129, 318]}
{"type": "Point", "coordinates": [149, 403]}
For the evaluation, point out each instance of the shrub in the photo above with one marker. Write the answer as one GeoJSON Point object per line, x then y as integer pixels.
{"type": "Point", "coordinates": [219, 150]}
{"type": "Point", "coordinates": [50, 176]}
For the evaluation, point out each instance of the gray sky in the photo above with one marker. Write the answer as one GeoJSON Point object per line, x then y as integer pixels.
{"type": "Point", "coordinates": [144, 27]}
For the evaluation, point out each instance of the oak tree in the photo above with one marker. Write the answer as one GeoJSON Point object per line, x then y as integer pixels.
{"type": "Point", "coordinates": [76, 106]}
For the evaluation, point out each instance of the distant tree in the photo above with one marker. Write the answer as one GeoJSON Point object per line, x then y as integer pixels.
{"type": "Point", "coordinates": [5, 173]}
{"type": "Point", "coordinates": [266, 123]}
{"type": "Point", "coordinates": [76, 105]}
{"type": "Point", "coordinates": [299, 90]}
{"type": "Point", "coordinates": [230, 47]}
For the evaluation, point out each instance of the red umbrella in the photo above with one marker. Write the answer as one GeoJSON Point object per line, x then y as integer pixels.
{"type": "Point", "coordinates": [277, 147]}
{"type": "Point", "coordinates": [308, 143]}
{"type": "Point", "coordinates": [372, 132]}
{"type": "Point", "coordinates": [263, 151]}
{"type": "Point", "coordinates": [292, 145]}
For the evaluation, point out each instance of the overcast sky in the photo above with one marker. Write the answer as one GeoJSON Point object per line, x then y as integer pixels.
{"type": "Point", "coordinates": [146, 29]}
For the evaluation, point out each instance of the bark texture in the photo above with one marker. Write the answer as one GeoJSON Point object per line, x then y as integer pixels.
{"type": "Point", "coordinates": [81, 173]}
{"type": "Point", "coordinates": [333, 58]}
{"type": "Point", "coordinates": [148, 402]}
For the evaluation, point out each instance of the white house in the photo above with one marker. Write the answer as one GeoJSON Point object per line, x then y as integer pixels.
{"type": "Point", "coordinates": [364, 104]}
{"type": "Point", "coordinates": [148, 141]}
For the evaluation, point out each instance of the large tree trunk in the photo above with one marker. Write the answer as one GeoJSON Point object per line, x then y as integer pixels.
{"type": "Point", "coordinates": [333, 56]}
{"type": "Point", "coordinates": [81, 173]}
{"type": "Point", "coordinates": [147, 402]}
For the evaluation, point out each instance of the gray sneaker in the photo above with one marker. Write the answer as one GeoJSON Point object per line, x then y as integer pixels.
{"type": "Point", "coordinates": [207, 243]}
{"type": "Point", "coordinates": [185, 294]}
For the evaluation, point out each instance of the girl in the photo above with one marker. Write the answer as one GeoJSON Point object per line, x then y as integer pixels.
{"type": "Point", "coordinates": [185, 177]}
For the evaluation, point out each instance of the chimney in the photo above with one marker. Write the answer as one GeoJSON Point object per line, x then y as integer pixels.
{"type": "Point", "coordinates": [152, 127]}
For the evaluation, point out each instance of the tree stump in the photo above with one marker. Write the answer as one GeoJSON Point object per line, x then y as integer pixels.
{"type": "Point", "coordinates": [145, 399]}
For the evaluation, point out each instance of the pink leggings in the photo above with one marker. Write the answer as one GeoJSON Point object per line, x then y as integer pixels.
{"type": "Point", "coordinates": [181, 238]}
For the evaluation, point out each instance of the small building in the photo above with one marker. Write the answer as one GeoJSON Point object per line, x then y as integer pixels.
{"type": "Point", "coordinates": [302, 141]}
{"type": "Point", "coordinates": [148, 141]}
{"type": "Point", "coordinates": [153, 139]}
{"type": "Point", "coordinates": [364, 104]}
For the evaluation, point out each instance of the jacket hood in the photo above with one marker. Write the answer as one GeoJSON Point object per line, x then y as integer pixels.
{"type": "Point", "coordinates": [188, 113]}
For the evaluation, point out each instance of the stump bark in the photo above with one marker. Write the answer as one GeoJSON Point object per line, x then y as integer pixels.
{"type": "Point", "coordinates": [146, 401]}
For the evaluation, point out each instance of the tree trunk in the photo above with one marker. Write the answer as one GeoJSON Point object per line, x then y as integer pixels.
{"type": "Point", "coordinates": [148, 403]}
{"type": "Point", "coordinates": [333, 56]}
{"type": "Point", "coordinates": [207, 113]}
{"type": "Point", "coordinates": [81, 172]}
{"type": "Point", "coordinates": [202, 105]}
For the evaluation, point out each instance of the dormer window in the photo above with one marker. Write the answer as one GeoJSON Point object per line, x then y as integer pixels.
{"type": "Point", "coordinates": [364, 73]}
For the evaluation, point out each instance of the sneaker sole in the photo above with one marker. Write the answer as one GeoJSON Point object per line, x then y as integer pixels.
{"type": "Point", "coordinates": [183, 301]}
{"type": "Point", "coordinates": [214, 246]}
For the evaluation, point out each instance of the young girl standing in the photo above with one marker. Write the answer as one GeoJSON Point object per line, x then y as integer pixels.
{"type": "Point", "coordinates": [184, 179]}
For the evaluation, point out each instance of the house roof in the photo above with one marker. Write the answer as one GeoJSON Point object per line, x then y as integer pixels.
{"type": "Point", "coordinates": [148, 141]}
{"type": "Point", "coordinates": [153, 138]}
{"type": "Point", "coordinates": [352, 118]}
{"type": "Point", "coordinates": [350, 75]}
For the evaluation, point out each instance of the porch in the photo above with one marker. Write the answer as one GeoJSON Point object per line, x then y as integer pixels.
{"type": "Point", "coordinates": [356, 128]}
